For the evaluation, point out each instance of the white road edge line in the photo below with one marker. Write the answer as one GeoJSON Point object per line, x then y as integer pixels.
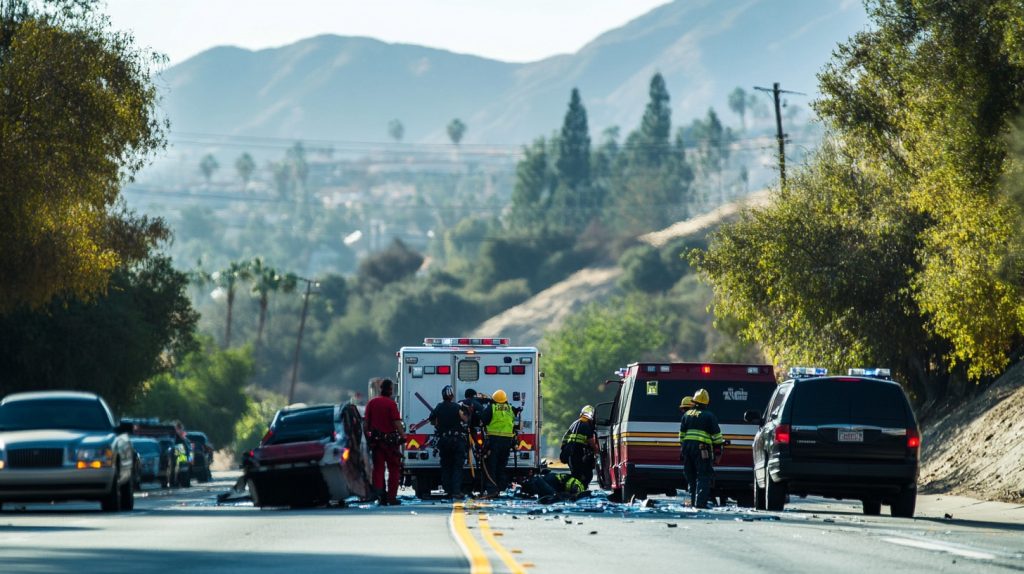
{"type": "Point", "coordinates": [942, 547]}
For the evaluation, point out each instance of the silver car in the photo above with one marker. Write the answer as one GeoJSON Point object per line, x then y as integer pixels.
{"type": "Point", "coordinates": [57, 445]}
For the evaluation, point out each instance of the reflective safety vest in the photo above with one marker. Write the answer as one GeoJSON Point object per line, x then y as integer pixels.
{"type": "Point", "coordinates": [502, 420]}
{"type": "Point", "coordinates": [182, 455]}
{"type": "Point", "coordinates": [700, 426]}
{"type": "Point", "coordinates": [570, 484]}
{"type": "Point", "coordinates": [574, 435]}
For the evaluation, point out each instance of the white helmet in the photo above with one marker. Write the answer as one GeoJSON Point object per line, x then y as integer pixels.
{"type": "Point", "coordinates": [587, 412]}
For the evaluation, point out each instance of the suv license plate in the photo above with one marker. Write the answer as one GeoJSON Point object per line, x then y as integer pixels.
{"type": "Point", "coordinates": [851, 436]}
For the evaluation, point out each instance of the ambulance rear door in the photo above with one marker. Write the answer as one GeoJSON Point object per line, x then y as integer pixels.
{"type": "Point", "coordinates": [423, 373]}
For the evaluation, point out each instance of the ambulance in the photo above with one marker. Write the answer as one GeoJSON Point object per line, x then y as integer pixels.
{"type": "Point", "coordinates": [484, 365]}
{"type": "Point", "coordinates": [638, 432]}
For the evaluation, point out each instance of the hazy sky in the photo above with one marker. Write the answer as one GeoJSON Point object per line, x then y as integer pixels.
{"type": "Point", "coordinates": [510, 30]}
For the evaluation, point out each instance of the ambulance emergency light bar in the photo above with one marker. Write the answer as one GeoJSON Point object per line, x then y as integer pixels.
{"type": "Point", "coordinates": [456, 342]}
{"type": "Point", "coordinates": [875, 372]}
{"type": "Point", "coordinates": [804, 372]}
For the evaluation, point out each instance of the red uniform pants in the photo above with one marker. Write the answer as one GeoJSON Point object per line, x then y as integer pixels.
{"type": "Point", "coordinates": [390, 457]}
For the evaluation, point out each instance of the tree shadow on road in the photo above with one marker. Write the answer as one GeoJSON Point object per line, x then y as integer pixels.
{"type": "Point", "coordinates": [135, 561]}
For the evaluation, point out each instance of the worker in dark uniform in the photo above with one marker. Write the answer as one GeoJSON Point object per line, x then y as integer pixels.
{"type": "Point", "coordinates": [580, 443]}
{"type": "Point", "coordinates": [449, 420]}
{"type": "Point", "coordinates": [473, 407]}
{"type": "Point", "coordinates": [691, 481]}
{"type": "Point", "coordinates": [385, 434]}
{"type": "Point", "coordinates": [552, 487]}
{"type": "Point", "coordinates": [500, 419]}
{"type": "Point", "coordinates": [702, 441]}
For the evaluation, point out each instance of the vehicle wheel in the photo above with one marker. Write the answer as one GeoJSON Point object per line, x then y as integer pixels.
{"type": "Point", "coordinates": [209, 474]}
{"type": "Point", "coordinates": [872, 507]}
{"type": "Point", "coordinates": [759, 501]}
{"type": "Point", "coordinates": [163, 482]}
{"type": "Point", "coordinates": [127, 496]}
{"type": "Point", "coordinates": [630, 492]}
{"type": "Point", "coordinates": [774, 494]}
{"type": "Point", "coordinates": [112, 501]}
{"type": "Point", "coordinates": [904, 504]}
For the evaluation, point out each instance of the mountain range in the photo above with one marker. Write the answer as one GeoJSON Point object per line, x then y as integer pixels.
{"type": "Point", "coordinates": [348, 88]}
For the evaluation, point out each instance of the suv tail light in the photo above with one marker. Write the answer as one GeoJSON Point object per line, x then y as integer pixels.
{"type": "Point", "coordinates": [913, 438]}
{"type": "Point", "coordinates": [782, 434]}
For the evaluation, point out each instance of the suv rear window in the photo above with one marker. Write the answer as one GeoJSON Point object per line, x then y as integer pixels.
{"type": "Point", "coordinates": [848, 402]}
{"type": "Point", "coordinates": [728, 400]}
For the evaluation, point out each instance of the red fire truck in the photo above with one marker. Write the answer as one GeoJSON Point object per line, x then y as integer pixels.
{"type": "Point", "coordinates": [483, 364]}
{"type": "Point", "coordinates": [638, 432]}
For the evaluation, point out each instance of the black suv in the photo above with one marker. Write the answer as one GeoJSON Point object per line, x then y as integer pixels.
{"type": "Point", "coordinates": [852, 437]}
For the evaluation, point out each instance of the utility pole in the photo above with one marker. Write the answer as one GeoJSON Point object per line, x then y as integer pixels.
{"type": "Point", "coordinates": [310, 283]}
{"type": "Point", "coordinates": [775, 91]}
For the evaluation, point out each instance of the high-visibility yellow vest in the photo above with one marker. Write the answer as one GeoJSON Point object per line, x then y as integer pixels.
{"type": "Point", "coordinates": [502, 420]}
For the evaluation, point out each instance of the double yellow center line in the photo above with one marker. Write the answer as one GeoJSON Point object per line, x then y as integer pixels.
{"type": "Point", "coordinates": [479, 563]}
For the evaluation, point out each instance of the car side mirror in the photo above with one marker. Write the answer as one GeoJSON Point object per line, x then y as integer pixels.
{"type": "Point", "coordinates": [753, 417]}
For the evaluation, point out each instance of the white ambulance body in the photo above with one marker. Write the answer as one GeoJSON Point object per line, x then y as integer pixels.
{"type": "Point", "coordinates": [482, 364]}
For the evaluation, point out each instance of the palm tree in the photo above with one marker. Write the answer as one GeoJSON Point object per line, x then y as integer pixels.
{"type": "Point", "coordinates": [267, 280]}
{"type": "Point", "coordinates": [227, 280]}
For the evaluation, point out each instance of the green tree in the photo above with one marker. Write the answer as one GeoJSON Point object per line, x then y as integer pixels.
{"type": "Point", "coordinates": [396, 130]}
{"type": "Point", "coordinates": [245, 166]}
{"type": "Point", "coordinates": [535, 183]}
{"type": "Point", "coordinates": [205, 392]}
{"type": "Point", "coordinates": [78, 117]}
{"type": "Point", "coordinates": [586, 351]}
{"type": "Point", "coordinates": [267, 280]}
{"type": "Point", "coordinates": [393, 264]}
{"type": "Point", "coordinates": [227, 281]}
{"type": "Point", "coordinates": [738, 99]}
{"type": "Point", "coordinates": [207, 166]}
{"type": "Point", "coordinates": [110, 344]}
{"type": "Point", "coordinates": [456, 129]}
{"type": "Point", "coordinates": [652, 145]}
{"type": "Point", "coordinates": [573, 161]}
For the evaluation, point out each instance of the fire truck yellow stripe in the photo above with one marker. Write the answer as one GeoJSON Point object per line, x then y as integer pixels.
{"type": "Point", "coordinates": [478, 561]}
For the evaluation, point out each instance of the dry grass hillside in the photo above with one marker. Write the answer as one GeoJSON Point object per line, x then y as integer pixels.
{"type": "Point", "coordinates": [526, 323]}
{"type": "Point", "coordinates": [977, 449]}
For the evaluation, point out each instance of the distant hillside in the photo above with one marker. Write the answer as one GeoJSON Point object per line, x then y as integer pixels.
{"type": "Point", "coordinates": [526, 323]}
{"type": "Point", "coordinates": [347, 88]}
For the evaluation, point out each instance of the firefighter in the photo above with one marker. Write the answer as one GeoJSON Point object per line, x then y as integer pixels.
{"type": "Point", "coordinates": [500, 420]}
{"type": "Point", "coordinates": [385, 435]}
{"type": "Point", "coordinates": [449, 419]}
{"type": "Point", "coordinates": [685, 405]}
{"type": "Point", "coordinates": [551, 487]}
{"type": "Point", "coordinates": [580, 446]}
{"type": "Point", "coordinates": [701, 440]}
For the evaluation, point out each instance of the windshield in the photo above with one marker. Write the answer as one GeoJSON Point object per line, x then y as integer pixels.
{"type": "Point", "coordinates": [657, 400]}
{"type": "Point", "coordinates": [70, 414]}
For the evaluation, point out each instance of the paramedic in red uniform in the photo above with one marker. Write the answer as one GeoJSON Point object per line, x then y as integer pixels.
{"type": "Point", "coordinates": [385, 434]}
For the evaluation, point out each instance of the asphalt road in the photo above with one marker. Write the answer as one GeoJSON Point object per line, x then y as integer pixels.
{"type": "Point", "coordinates": [185, 530]}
